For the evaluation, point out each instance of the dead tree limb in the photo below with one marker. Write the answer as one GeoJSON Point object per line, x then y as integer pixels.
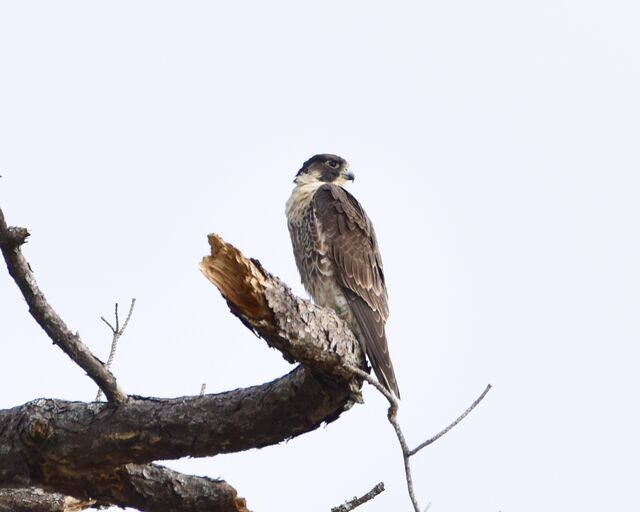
{"type": "Point", "coordinates": [10, 241]}
{"type": "Point", "coordinates": [117, 332]}
{"type": "Point", "coordinates": [37, 500]}
{"type": "Point", "coordinates": [74, 448]}
{"type": "Point", "coordinates": [422, 445]}
{"type": "Point", "coordinates": [356, 502]}
{"type": "Point", "coordinates": [155, 488]}
{"type": "Point", "coordinates": [407, 453]}
{"type": "Point", "coordinates": [43, 434]}
{"type": "Point", "coordinates": [146, 487]}
{"type": "Point", "coordinates": [299, 329]}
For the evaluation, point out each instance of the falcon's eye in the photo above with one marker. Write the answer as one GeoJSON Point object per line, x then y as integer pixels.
{"type": "Point", "coordinates": [332, 163]}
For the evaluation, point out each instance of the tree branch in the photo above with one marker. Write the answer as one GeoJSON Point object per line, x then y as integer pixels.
{"type": "Point", "coordinates": [46, 437]}
{"type": "Point", "coordinates": [392, 415]}
{"type": "Point", "coordinates": [147, 487]}
{"type": "Point", "coordinates": [301, 330]}
{"type": "Point", "coordinates": [155, 488]}
{"type": "Point", "coordinates": [47, 443]}
{"type": "Point", "coordinates": [117, 332]}
{"type": "Point", "coordinates": [356, 502]}
{"type": "Point", "coordinates": [37, 500]}
{"type": "Point", "coordinates": [453, 424]}
{"type": "Point", "coordinates": [10, 241]}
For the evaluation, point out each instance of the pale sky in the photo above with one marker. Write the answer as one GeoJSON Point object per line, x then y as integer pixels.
{"type": "Point", "coordinates": [495, 147]}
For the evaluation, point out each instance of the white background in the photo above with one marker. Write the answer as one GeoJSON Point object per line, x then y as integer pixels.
{"type": "Point", "coordinates": [495, 147]}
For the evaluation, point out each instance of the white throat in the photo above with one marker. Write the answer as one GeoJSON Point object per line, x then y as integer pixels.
{"type": "Point", "coordinates": [300, 198]}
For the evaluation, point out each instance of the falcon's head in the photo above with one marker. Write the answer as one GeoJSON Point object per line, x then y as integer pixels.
{"type": "Point", "coordinates": [324, 168]}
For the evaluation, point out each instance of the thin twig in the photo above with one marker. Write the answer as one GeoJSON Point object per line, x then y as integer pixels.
{"type": "Point", "coordinates": [10, 241]}
{"type": "Point", "coordinates": [108, 323]}
{"type": "Point", "coordinates": [392, 415]}
{"type": "Point", "coordinates": [115, 312]}
{"type": "Point", "coordinates": [460, 418]}
{"type": "Point", "coordinates": [356, 502]}
{"type": "Point", "coordinates": [117, 332]}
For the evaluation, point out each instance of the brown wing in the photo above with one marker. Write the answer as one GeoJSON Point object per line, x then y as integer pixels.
{"type": "Point", "coordinates": [354, 250]}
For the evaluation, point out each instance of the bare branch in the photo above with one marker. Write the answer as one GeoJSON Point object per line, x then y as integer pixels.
{"type": "Point", "coordinates": [43, 435]}
{"type": "Point", "coordinates": [393, 419]}
{"type": "Point", "coordinates": [41, 445]}
{"type": "Point", "coordinates": [117, 333]}
{"type": "Point", "coordinates": [266, 306]}
{"type": "Point", "coordinates": [458, 420]}
{"type": "Point", "coordinates": [406, 452]}
{"type": "Point", "coordinates": [10, 241]}
{"type": "Point", "coordinates": [37, 500]}
{"type": "Point", "coordinates": [356, 502]}
{"type": "Point", "coordinates": [108, 323]}
{"type": "Point", "coordinates": [155, 488]}
{"type": "Point", "coordinates": [115, 312]}
{"type": "Point", "coordinates": [147, 487]}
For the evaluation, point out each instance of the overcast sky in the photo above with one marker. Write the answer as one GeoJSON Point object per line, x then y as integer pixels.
{"type": "Point", "coordinates": [495, 147]}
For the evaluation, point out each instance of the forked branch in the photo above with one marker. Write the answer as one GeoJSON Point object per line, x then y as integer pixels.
{"type": "Point", "coordinates": [11, 239]}
{"type": "Point", "coordinates": [407, 453]}
{"type": "Point", "coordinates": [45, 448]}
{"type": "Point", "coordinates": [109, 460]}
{"type": "Point", "coordinates": [117, 332]}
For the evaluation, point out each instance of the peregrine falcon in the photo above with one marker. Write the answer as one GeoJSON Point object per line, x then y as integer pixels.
{"type": "Point", "coordinates": [337, 256]}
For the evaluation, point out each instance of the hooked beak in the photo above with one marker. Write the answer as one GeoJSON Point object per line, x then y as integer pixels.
{"type": "Point", "coordinates": [348, 175]}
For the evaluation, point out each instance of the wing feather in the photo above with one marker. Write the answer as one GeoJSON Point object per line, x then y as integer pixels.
{"type": "Point", "coordinates": [353, 247]}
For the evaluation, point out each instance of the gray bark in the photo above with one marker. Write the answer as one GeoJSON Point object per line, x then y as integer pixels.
{"type": "Point", "coordinates": [57, 455]}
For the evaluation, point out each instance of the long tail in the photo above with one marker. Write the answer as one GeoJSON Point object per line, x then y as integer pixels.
{"type": "Point", "coordinates": [371, 326]}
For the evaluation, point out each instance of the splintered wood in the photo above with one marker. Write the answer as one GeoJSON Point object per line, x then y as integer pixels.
{"type": "Point", "coordinates": [240, 281]}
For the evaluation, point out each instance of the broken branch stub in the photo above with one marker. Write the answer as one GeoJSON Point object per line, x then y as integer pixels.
{"type": "Point", "coordinates": [301, 330]}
